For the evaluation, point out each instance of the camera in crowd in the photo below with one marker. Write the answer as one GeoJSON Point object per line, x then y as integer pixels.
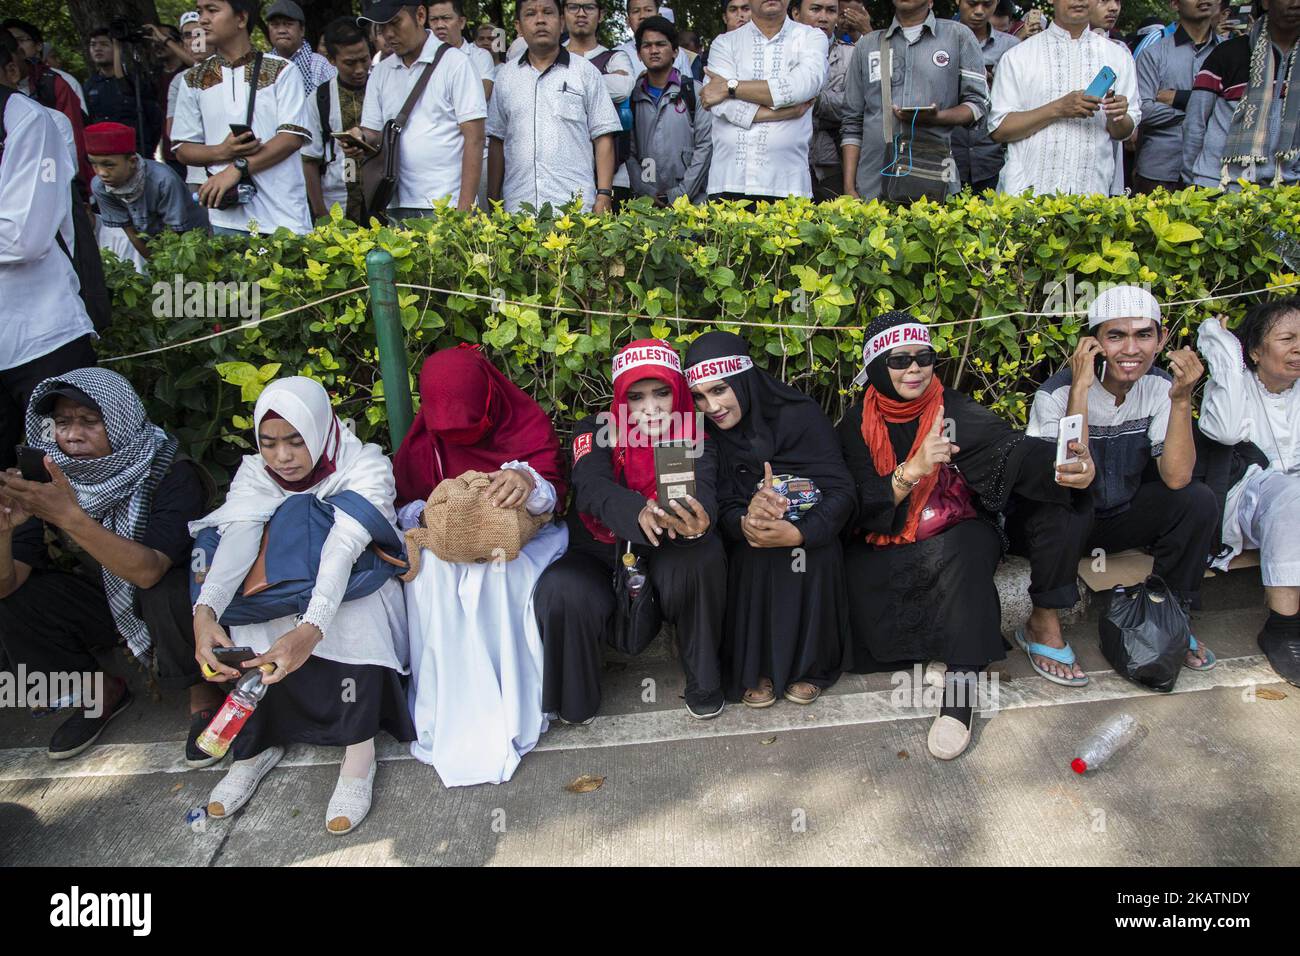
{"type": "Point", "coordinates": [124, 31]}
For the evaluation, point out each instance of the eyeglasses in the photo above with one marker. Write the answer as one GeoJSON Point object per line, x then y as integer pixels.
{"type": "Point", "coordinates": [582, 7]}
{"type": "Point", "coordinates": [924, 359]}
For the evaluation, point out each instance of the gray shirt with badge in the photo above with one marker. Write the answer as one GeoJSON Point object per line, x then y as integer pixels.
{"type": "Point", "coordinates": [943, 66]}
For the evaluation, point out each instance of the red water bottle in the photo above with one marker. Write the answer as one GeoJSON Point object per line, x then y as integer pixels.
{"type": "Point", "coordinates": [234, 713]}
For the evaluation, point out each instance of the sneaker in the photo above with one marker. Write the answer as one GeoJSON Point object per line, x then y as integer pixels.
{"type": "Point", "coordinates": [237, 786]}
{"type": "Point", "coordinates": [705, 706]}
{"type": "Point", "coordinates": [194, 757]}
{"type": "Point", "coordinates": [79, 731]}
{"type": "Point", "coordinates": [1281, 645]}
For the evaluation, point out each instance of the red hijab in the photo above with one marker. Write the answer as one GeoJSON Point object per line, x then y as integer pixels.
{"type": "Point", "coordinates": [472, 418]}
{"type": "Point", "coordinates": [633, 453]}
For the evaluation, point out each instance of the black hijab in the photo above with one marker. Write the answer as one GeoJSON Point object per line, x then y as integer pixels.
{"type": "Point", "coordinates": [779, 424]}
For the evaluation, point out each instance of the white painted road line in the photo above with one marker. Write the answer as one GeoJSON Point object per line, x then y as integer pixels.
{"type": "Point", "coordinates": [659, 726]}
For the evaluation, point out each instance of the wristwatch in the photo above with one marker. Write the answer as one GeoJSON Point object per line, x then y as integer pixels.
{"type": "Point", "coordinates": [605, 192]}
{"type": "Point", "coordinates": [241, 164]}
{"type": "Point", "coordinates": [731, 88]}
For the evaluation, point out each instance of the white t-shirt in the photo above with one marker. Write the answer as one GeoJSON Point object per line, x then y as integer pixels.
{"type": "Point", "coordinates": [194, 175]}
{"type": "Point", "coordinates": [37, 280]}
{"type": "Point", "coordinates": [429, 161]}
{"type": "Point", "coordinates": [1068, 156]}
{"type": "Point", "coordinates": [766, 159]}
{"type": "Point", "coordinates": [333, 188]}
{"type": "Point", "coordinates": [213, 96]}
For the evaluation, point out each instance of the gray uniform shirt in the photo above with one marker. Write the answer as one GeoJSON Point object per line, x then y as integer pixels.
{"type": "Point", "coordinates": [1170, 63]}
{"type": "Point", "coordinates": [943, 66]}
{"type": "Point", "coordinates": [828, 108]}
{"type": "Point", "coordinates": [978, 157]}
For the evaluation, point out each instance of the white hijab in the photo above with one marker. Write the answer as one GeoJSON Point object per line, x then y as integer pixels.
{"type": "Point", "coordinates": [303, 402]}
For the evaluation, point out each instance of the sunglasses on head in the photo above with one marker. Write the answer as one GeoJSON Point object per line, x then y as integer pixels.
{"type": "Point", "coordinates": [900, 360]}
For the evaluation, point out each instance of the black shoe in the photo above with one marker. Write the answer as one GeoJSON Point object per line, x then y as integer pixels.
{"type": "Point", "coordinates": [194, 757]}
{"type": "Point", "coordinates": [1281, 645]}
{"type": "Point", "coordinates": [705, 706]}
{"type": "Point", "coordinates": [79, 731]}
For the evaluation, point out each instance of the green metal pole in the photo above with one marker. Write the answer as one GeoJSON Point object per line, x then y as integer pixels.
{"type": "Point", "coordinates": [392, 344]}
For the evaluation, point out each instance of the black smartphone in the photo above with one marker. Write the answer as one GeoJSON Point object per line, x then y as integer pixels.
{"type": "Point", "coordinates": [239, 129]}
{"type": "Point", "coordinates": [31, 462]}
{"type": "Point", "coordinates": [1099, 367]}
{"type": "Point", "coordinates": [233, 656]}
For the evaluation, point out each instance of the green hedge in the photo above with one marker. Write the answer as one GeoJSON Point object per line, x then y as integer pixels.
{"type": "Point", "coordinates": [795, 263]}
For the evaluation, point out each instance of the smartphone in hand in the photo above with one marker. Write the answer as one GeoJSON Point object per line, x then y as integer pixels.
{"type": "Point", "coordinates": [1102, 83]}
{"type": "Point", "coordinates": [240, 129]}
{"type": "Point", "coordinates": [31, 462]}
{"type": "Point", "coordinates": [1069, 429]}
{"type": "Point", "coordinates": [233, 656]}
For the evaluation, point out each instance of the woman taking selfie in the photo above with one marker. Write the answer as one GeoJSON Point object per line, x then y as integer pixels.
{"type": "Point", "coordinates": [617, 511]}
{"type": "Point", "coordinates": [786, 627]}
{"type": "Point", "coordinates": [931, 468]}
{"type": "Point", "coordinates": [338, 666]}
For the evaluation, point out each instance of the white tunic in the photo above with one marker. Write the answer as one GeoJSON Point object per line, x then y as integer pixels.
{"type": "Point", "coordinates": [1236, 408]}
{"type": "Point", "coordinates": [476, 655]}
{"type": "Point", "coordinates": [766, 159]}
{"type": "Point", "coordinates": [1068, 156]}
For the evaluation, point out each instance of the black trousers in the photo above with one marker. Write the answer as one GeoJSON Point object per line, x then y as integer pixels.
{"type": "Point", "coordinates": [1180, 528]}
{"type": "Point", "coordinates": [56, 621]}
{"type": "Point", "coordinates": [574, 603]}
{"type": "Point", "coordinates": [737, 196]}
{"type": "Point", "coordinates": [1143, 185]}
{"type": "Point", "coordinates": [18, 383]}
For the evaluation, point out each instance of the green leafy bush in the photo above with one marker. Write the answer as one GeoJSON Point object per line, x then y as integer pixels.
{"type": "Point", "coordinates": [811, 275]}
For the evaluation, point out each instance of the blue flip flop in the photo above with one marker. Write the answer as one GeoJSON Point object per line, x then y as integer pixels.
{"type": "Point", "coordinates": [1207, 664]}
{"type": "Point", "coordinates": [1062, 655]}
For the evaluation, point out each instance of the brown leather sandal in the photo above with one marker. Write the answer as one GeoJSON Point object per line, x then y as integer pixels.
{"type": "Point", "coordinates": [764, 696]}
{"type": "Point", "coordinates": [796, 696]}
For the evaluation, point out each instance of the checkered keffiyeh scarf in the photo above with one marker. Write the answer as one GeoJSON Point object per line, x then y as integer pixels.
{"type": "Point", "coordinates": [1248, 134]}
{"type": "Point", "coordinates": [116, 490]}
{"type": "Point", "coordinates": [315, 69]}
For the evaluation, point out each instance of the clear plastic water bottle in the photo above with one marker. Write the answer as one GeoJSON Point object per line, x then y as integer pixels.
{"type": "Point", "coordinates": [1107, 739]}
{"type": "Point", "coordinates": [635, 575]}
{"type": "Point", "coordinates": [234, 713]}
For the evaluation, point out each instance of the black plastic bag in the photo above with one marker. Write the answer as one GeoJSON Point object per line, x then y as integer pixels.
{"type": "Point", "coordinates": [637, 621]}
{"type": "Point", "coordinates": [1145, 634]}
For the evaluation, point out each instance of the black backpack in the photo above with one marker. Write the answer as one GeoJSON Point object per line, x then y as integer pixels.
{"type": "Point", "coordinates": [86, 261]}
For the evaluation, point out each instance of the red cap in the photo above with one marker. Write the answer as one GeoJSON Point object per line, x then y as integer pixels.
{"type": "Point", "coordinates": [109, 139]}
{"type": "Point", "coordinates": [1078, 765]}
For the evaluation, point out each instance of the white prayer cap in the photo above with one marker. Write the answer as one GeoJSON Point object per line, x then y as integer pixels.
{"type": "Point", "coordinates": [666, 12]}
{"type": "Point", "coordinates": [188, 17]}
{"type": "Point", "coordinates": [1123, 302]}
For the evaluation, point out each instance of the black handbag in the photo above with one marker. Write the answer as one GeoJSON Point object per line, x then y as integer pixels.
{"type": "Point", "coordinates": [1145, 634]}
{"type": "Point", "coordinates": [637, 620]}
{"type": "Point", "coordinates": [379, 172]}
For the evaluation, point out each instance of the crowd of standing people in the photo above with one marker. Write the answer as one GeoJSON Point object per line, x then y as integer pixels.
{"type": "Point", "coordinates": [799, 548]}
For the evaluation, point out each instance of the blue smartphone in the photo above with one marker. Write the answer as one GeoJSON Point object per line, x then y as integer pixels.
{"type": "Point", "coordinates": [1101, 84]}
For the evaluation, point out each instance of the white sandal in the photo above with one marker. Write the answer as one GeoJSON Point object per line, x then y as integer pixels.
{"type": "Point", "coordinates": [350, 802]}
{"type": "Point", "coordinates": [240, 781]}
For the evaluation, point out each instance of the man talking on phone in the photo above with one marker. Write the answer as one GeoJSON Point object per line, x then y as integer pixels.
{"type": "Point", "coordinates": [1135, 412]}
{"type": "Point", "coordinates": [1060, 99]}
{"type": "Point", "coordinates": [937, 82]}
{"type": "Point", "coordinates": [111, 488]}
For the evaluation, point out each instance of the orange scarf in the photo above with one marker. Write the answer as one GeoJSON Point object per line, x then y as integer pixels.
{"type": "Point", "coordinates": [876, 411]}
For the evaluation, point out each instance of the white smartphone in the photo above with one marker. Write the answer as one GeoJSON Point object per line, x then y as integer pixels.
{"type": "Point", "coordinates": [1069, 429]}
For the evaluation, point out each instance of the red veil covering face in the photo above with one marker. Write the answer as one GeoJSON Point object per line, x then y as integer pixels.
{"type": "Point", "coordinates": [472, 418]}
{"type": "Point", "coordinates": [632, 452]}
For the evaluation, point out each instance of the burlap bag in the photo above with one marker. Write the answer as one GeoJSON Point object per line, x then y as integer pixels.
{"type": "Point", "coordinates": [462, 526]}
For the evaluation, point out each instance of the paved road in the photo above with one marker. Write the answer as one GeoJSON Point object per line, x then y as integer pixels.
{"type": "Point", "coordinates": [849, 780]}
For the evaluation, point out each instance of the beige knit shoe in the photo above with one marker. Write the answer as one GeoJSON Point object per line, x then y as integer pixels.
{"type": "Point", "coordinates": [949, 737]}
{"type": "Point", "coordinates": [350, 802]}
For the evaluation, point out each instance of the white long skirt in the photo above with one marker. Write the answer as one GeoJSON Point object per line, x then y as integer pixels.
{"type": "Point", "coordinates": [476, 662]}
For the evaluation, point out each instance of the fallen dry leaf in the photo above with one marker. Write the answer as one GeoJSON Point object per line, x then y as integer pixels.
{"type": "Point", "coordinates": [177, 787]}
{"type": "Point", "coordinates": [768, 740]}
{"type": "Point", "coordinates": [585, 784]}
{"type": "Point", "coordinates": [903, 755]}
{"type": "Point", "coordinates": [1268, 693]}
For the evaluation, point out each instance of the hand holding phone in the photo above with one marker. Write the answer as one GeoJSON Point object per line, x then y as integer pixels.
{"type": "Point", "coordinates": [233, 656]}
{"type": "Point", "coordinates": [1070, 428]}
{"type": "Point", "coordinates": [241, 141]}
{"type": "Point", "coordinates": [31, 462]}
{"type": "Point", "coordinates": [350, 139]}
{"type": "Point", "coordinates": [1101, 84]}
